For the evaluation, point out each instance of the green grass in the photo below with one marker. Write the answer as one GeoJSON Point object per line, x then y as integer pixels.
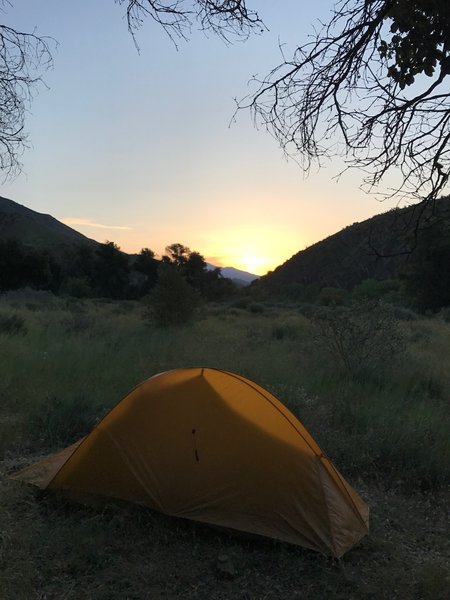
{"type": "Point", "coordinates": [77, 359]}
{"type": "Point", "coordinates": [387, 431]}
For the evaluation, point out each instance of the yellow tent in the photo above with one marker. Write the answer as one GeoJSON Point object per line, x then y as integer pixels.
{"type": "Point", "coordinates": [214, 447]}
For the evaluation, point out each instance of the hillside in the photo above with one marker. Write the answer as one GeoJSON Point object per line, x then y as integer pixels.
{"type": "Point", "coordinates": [378, 248]}
{"type": "Point", "coordinates": [44, 232]}
{"type": "Point", "coordinates": [36, 229]}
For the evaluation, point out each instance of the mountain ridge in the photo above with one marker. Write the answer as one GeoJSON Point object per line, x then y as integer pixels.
{"type": "Point", "coordinates": [34, 228]}
{"type": "Point", "coordinates": [378, 248]}
{"type": "Point", "coordinates": [41, 230]}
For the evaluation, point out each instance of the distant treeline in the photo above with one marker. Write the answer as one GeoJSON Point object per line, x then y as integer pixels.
{"type": "Point", "coordinates": [104, 271]}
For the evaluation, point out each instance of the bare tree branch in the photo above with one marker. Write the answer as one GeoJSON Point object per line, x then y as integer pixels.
{"type": "Point", "coordinates": [23, 57]}
{"type": "Point", "coordinates": [229, 19]}
{"type": "Point", "coordinates": [372, 86]}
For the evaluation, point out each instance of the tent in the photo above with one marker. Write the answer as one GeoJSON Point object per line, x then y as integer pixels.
{"type": "Point", "coordinates": [212, 446]}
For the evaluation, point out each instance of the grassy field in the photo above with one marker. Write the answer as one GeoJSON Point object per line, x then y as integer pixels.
{"type": "Point", "coordinates": [64, 363]}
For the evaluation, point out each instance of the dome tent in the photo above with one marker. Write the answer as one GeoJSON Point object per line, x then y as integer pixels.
{"type": "Point", "coordinates": [212, 446]}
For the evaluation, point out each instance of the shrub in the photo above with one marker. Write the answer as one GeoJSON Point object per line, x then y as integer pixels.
{"type": "Point", "coordinates": [361, 337]}
{"type": "Point", "coordinates": [255, 308]}
{"type": "Point", "coordinates": [240, 303]}
{"type": "Point", "coordinates": [78, 287]}
{"type": "Point", "coordinates": [77, 323]}
{"type": "Point", "coordinates": [283, 331]}
{"type": "Point", "coordinates": [444, 314]}
{"type": "Point", "coordinates": [404, 314]}
{"type": "Point", "coordinates": [331, 296]}
{"type": "Point", "coordinates": [173, 301]}
{"type": "Point", "coordinates": [13, 325]}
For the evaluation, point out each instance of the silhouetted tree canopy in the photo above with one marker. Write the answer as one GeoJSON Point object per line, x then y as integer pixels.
{"type": "Point", "coordinates": [230, 19]}
{"type": "Point", "coordinates": [371, 86]}
{"type": "Point", "coordinates": [110, 271]}
{"type": "Point", "coordinates": [21, 266]}
{"type": "Point", "coordinates": [23, 58]}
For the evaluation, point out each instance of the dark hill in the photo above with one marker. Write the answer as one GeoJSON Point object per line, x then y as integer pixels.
{"type": "Point", "coordinates": [378, 248]}
{"type": "Point", "coordinates": [35, 229]}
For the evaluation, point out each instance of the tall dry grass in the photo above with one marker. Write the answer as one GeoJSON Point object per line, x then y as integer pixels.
{"type": "Point", "coordinates": [75, 359]}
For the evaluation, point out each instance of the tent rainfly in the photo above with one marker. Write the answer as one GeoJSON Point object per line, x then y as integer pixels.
{"type": "Point", "coordinates": [212, 446]}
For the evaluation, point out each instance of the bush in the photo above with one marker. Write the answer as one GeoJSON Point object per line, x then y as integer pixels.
{"type": "Point", "coordinates": [404, 314]}
{"type": "Point", "coordinates": [255, 308]}
{"type": "Point", "coordinates": [240, 303]}
{"type": "Point", "coordinates": [361, 337]}
{"type": "Point", "coordinates": [331, 296]}
{"type": "Point", "coordinates": [173, 301]}
{"type": "Point", "coordinates": [13, 325]}
{"type": "Point", "coordinates": [77, 287]}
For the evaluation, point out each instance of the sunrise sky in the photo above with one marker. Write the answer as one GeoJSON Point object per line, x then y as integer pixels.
{"type": "Point", "coordinates": [139, 148]}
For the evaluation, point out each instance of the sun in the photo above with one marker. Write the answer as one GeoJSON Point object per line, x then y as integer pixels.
{"type": "Point", "coordinates": [253, 264]}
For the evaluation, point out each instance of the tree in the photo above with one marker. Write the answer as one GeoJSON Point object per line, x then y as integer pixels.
{"type": "Point", "coordinates": [23, 58]}
{"type": "Point", "coordinates": [427, 279]}
{"type": "Point", "coordinates": [147, 265]}
{"type": "Point", "coordinates": [172, 301]}
{"type": "Point", "coordinates": [230, 19]}
{"type": "Point", "coordinates": [176, 254]}
{"type": "Point", "coordinates": [372, 87]}
{"type": "Point", "coordinates": [110, 271]}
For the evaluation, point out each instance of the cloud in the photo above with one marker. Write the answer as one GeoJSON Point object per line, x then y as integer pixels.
{"type": "Point", "coordinates": [215, 260]}
{"type": "Point", "coordinates": [89, 223]}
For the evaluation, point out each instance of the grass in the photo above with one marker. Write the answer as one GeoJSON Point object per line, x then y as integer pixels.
{"type": "Point", "coordinates": [387, 431]}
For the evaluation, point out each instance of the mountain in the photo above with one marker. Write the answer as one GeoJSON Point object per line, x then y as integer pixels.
{"type": "Point", "coordinates": [238, 275]}
{"type": "Point", "coordinates": [240, 278]}
{"type": "Point", "coordinates": [42, 231]}
{"type": "Point", "coordinates": [36, 229]}
{"type": "Point", "coordinates": [378, 248]}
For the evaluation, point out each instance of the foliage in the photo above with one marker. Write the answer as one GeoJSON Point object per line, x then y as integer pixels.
{"type": "Point", "coordinates": [427, 279]}
{"type": "Point", "coordinates": [350, 92]}
{"type": "Point", "coordinates": [77, 287]}
{"type": "Point", "coordinates": [147, 265]}
{"type": "Point", "coordinates": [173, 301]}
{"type": "Point", "coordinates": [255, 308]}
{"type": "Point", "coordinates": [360, 337]}
{"type": "Point", "coordinates": [331, 296]}
{"type": "Point", "coordinates": [23, 58]}
{"type": "Point", "coordinates": [110, 271]}
{"type": "Point", "coordinates": [370, 289]}
{"type": "Point", "coordinates": [21, 266]}
{"type": "Point", "coordinates": [193, 267]}
{"type": "Point", "coordinates": [12, 325]}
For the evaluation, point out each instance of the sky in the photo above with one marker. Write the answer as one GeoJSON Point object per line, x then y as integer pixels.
{"type": "Point", "coordinates": [140, 147]}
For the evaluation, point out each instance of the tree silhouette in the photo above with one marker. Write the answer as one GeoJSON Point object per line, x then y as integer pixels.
{"type": "Point", "coordinates": [23, 58]}
{"type": "Point", "coordinates": [172, 301]}
{"type": "Point", "coordinates": [372, 87]}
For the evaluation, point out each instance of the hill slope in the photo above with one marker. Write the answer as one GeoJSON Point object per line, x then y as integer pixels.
{"type": "Point", "coordinates": [36, 229]}
{"type": "Point", "coordinates": [378, 248]}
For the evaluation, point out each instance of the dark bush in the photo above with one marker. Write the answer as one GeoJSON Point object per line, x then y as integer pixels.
{"type": "Point", "coordinates": [173, 301]}
{"type": "Point", "coordinates": [361, 337]}
{"type": "Point", "coordinates": [13, 325]}
{"type": "Point", "coordinates": [255, 308]}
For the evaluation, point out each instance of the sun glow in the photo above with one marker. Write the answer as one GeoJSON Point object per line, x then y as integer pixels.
{"type": "Point", "coordinates": [254, 264]}
{"type": "Point", "coordinates": [255, 250]}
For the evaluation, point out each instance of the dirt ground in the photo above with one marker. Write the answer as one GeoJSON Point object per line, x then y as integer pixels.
{"type": "Point", "coordinates": [51, 549]}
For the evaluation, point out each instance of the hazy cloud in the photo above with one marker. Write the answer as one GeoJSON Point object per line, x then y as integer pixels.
{"type": "Point", "coordinates": [215, 260]}
{"type": "Point", "coordinates": [89, 223]}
